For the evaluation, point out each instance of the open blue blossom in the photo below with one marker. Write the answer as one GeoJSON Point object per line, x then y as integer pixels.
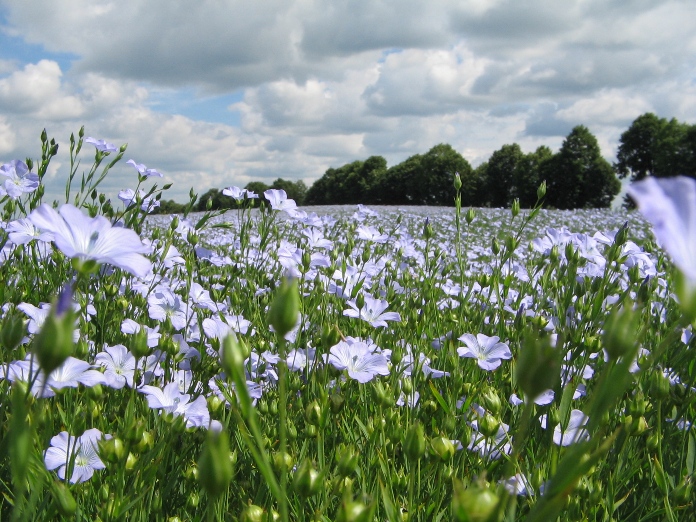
{"type": "Point", "coordinates": [373, 311]}
{"type": "Point", "coordinates": [358, 359]}
{"type": "Point", "coordinates": [82, 452]}
{"type": "Point", "coordinates": [143, 170]}
{"type": "Point", "coordinates": [19, 180]}
{"type": "Point", "coordinates": [573, 432]}
{"type": "Point", "coordinates": [278, 199]}
{"type": "Point", "coordinates": [119, 366]}
{"type": "Point", "coordinates": [80, 236]}
{"type": "Point", "coordinates": [171, 400]}
{"type": "Point", "coordinates": [101, 145]}
{"type": "Point", "coordinates": [487, 351]}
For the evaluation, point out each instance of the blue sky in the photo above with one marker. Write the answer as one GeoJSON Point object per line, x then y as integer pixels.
{"type": "Point", "coordinates": [217, 94]}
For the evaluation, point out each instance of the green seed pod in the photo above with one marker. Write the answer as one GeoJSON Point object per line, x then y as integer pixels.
{"type": "Point", "coordinates": [285, 308]}
{"type": "Point", "coordinates": [282, 459]}
{"type": "Point", "coordinates": [214, 465]}
{"type": "Point", "coordinates": [414, 443]}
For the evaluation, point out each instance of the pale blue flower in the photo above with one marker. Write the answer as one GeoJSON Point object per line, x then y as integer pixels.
{"type": "Point", "coordinates": [373, 311]}
{"type": "Point", "coordinates": [101, 145]}
{"type": "Point", "coordinates": [487, 351]}
{"type": "Point", "coordinates": [80, 236]}
{"type": "Point", "coordinates": [143, 170]}
{"type": "Point", "coordinates": [669, 204]}
{"type": "Point", "coordinates": [19, 180]}
{"type": "Point", "coordinates": [278, 199]}
{"type": "Point", "coordinates": [119, 365]}
{"type": "Point", "coordinates": [358, 359]}
{"type": "Point", "coordinates": [82, 452]}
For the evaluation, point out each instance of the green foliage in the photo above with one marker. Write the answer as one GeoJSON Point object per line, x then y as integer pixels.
{"type": "Point", "coordinates": [578, 176]}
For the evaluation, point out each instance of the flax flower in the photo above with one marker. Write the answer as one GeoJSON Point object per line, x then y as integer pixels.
{"type": "Point", "coordinates": [80, 236]}
{"type": "Point", "coordinates": [669, 204]}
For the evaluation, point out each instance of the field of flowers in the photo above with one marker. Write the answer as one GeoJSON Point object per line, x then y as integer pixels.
{"type": "Point", "coordinates": [335, 363]}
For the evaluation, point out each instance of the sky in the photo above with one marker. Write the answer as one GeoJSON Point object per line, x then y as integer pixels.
{"type": "Point", "coordinates": [214, 93]}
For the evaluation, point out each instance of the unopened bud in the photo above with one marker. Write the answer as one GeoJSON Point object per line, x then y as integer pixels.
{"type": "Point", "coordinates": [538, 366]}
{"type": "Point", "coordinates": [443, 448]}
{"type": "Point", "coordinates": [473, 504]}
{"type": "Point", "coordinates": [285, 308]}
{"type": "Point", "coordinates": [307, 481]}
{"type": "Point", "coordinates": [541, 191]}
{"type": "Point", "coordinates": [620, 331]}
{"type": "Point", "coordinates": [214, 465]}
{"type": "Point", "coordinates": [54, 342]}
{"type": "Point", "coordinates": [414, 444]}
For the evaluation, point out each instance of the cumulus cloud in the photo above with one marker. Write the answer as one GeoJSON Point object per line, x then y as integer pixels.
{"type": "Point", "coordinates": [318, 85]}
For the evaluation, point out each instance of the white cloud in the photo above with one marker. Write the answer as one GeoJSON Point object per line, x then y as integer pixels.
{"type": "Point", "coordinates": [322, 84]}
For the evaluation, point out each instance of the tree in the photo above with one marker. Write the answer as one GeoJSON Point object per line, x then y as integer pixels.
{"type": "Point", "coordinates": [528, 175]}
{"type": "Point", "coordinates": [435, 182]}
{"type": "Point", "coordinates": [636, 153]}
{"type": "Point", "coordinates": [500, 180]}
{"type": "Point", "coordinates": [658, 147]}
{"type": "Point", "coordinates": [578, 176]}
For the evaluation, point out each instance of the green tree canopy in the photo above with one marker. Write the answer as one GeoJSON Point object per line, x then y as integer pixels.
{"type": "Point", "coordinates": [578, 176]}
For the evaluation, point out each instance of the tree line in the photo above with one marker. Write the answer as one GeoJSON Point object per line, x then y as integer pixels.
{"type": "Point", "coordinates": [577, 176]}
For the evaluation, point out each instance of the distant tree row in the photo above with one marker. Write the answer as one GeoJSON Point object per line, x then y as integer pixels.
{"type": "Point", "coordinates": [577, 176]}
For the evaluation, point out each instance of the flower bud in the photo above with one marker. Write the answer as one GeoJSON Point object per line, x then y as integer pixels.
{"type": "Point", "coordinates": [285, 308]}
{"type": "Point", "coordinates": [428, 231]}
{"type": "Point", "coordinates": [659, 385]}
{"type": "Point", "coordinates": [488, 425]}
{"type": "Point", "coordinates": [347, 457]}
{"type": "Point", "coordinates": [490, 400]}
{"type": "Point", "coordinates": [138, 344]}
{"type": "Point", "coordinates": [252, 513]}
{"type": "Point", "coordinates": [112, 450]}
{"type": "Point", "coordinates": [473, 504]}
{"type": "Point", "coordinates": [307, 481]}
{"type": "Point", "coordinates": [12, 333]}
{"type": "Point", "coordinates": [131, 462]}
{"type": "Point", "coordinates": [538, 366]}
{"type": "Point", "coordinates": [443, 448]}
{"type": "Point", "coordinates": [233, 354]}
{"type": "Point", "coordinates": [470, 215]}
{"type": "Point", "coordinates": [541, 191]}
{"type": "Point", "coordinates": [457, 182]}
{"type": "Point", "coordinates": [214, 465]}
{"type": "Point", "coordinates": [620, 331]}
{"type": "Point", "coordinates": [414, 444]}
{"type": "Point", "coordinates": [54, 342]}
{"type": "Point", "coordinates": [515, 209]}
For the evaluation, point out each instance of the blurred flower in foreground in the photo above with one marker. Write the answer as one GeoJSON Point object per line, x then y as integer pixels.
{"type": "Point", "coordinates": [669, 204]}
{"type": "Point", "coordinates": [19, 179]}
{"type": "Point", "coordinates": [80, 236]}
{"type": "Point", "coordinates": [83, 449]}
